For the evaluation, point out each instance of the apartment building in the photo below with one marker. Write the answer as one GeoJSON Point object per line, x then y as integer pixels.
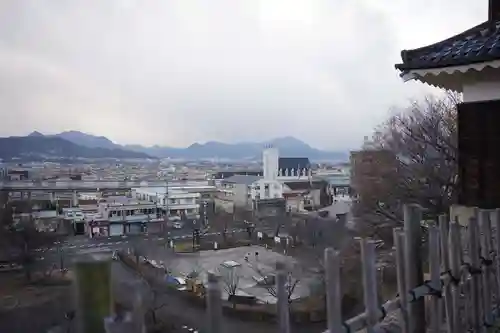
{"type": "Point", "coordinates": [177, 202]}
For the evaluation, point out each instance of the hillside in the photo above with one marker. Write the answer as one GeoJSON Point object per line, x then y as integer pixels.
{"type": "Point", "coordinates": [288, 146]}
{"type": "Point", "coordinates": [35, 146]}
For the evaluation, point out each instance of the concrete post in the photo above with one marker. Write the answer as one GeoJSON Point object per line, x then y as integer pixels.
{"type": "Point", "coordinates": [93, 293]}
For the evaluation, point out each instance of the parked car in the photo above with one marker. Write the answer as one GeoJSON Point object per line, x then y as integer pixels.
{"type": "Point", "coordinates": [177, 225]}
{"type": "Point", "coordinates": [176, 282]}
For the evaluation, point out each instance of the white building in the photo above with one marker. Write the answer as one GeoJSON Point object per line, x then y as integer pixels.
{"type": "Point", "coordinates": [268, 187]}
{"type": "Point", "coordinates": [286, 178]}
{"type": "Point", "coordinates": [178, 202]}
{"type": "Point", "coordinates": [128, 217]}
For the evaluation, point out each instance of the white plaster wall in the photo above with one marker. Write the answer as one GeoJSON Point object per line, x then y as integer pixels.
{"type": "Point", "coordinates": [275, 189]}
{"type": "Point", "coordinates": [481, 91]}
{"type": "Point", "coordinates": [270, 161]}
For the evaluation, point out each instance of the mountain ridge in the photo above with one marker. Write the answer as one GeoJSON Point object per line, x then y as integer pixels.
{"type": "Point", "coordinates": [288, 146]}
{"type": "Point", "coordinates": [37, 145]}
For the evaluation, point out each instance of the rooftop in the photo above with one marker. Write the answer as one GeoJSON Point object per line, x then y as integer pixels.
{"type": "Point", "coordinates": [478, 44]}
{"type": "Point", "coordinates": [242, 179]}
{"type": "Point", "coordinates": [293, 163]}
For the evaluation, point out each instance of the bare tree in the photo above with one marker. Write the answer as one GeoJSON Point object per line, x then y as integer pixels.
{"type": "Point", "coordinates": [230, 277]}
{"type": "Point", "coordinates": [411, 159]}
{"type": "Point", "coordinates": [268, 279]}
{"type": "Point", "coordinates": [292, 281]}
{"type": "Point", "coordinates": [19, 238]}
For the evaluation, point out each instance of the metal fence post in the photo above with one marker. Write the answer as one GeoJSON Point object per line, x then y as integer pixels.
{"type": "Point", "coordinates": [413, 269]}
{"type": "Point", "coordinates": [283, 310]}
{"type": "Point", "coordinates": [333, 293]}
{"type": "Point", "coordinates": [214, 304]}
{"type": "Point", "coordinates": [399, 244]}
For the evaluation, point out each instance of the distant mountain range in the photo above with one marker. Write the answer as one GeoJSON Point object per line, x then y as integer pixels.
{"type": "Point", "coordinates": [37, 146]}
{"type": "Point", "coordinates": [75, 143]}
{"type": "Point", "coordinates": [287, 146]}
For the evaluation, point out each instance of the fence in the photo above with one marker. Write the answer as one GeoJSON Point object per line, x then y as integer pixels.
{"type": "Point", "coordinates": [459, 296]}
{"type": "Point", "coordinates": [460, 292]}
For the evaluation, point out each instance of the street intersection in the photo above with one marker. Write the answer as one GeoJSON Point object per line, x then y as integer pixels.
{"type": "Point", "coordinates": [81, 245]}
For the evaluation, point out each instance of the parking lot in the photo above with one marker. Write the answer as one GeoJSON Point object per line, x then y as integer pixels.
{"type": "Point", "coordinates": [259, 262]}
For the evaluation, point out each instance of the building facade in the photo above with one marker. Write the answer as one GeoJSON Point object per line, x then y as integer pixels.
{"type": "Point", "coordinates": [176, 202]}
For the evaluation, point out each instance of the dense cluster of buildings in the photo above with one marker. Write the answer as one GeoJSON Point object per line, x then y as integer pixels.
{"type": "Point", "coordinates": [282, 184]}
{"type": "Point", "coordinates": [288, 182]}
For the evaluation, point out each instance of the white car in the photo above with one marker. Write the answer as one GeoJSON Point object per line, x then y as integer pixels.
{"type": "Point", "coordinates": [177, 225]}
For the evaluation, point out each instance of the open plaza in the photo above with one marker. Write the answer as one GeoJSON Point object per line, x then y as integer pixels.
{"type": "Point", "coordinates": [250, 264]}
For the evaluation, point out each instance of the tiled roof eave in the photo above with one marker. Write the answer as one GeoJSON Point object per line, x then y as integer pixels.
{"type": "Point", "coordinates": [479, 66]}
{"type": "Point", "coordinates": [441, 77]}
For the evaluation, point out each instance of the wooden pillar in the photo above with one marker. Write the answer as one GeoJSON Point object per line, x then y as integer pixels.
{"type": "Point", "coordinates": [414, 271]}
{"type": "Point", "coordinates": [478, 158]}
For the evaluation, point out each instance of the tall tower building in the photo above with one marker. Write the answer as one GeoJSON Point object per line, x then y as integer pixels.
{"type": "Point", "coordinates": [270, 161]}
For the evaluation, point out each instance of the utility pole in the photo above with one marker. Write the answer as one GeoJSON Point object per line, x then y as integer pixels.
{"type": "Point", "coordinates": [61, 257]}
{"type": "Point", "coordinates": [166, 199]}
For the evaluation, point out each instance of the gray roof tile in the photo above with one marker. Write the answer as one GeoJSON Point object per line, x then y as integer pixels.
{"type": "Point", "coordinates": [478, 44]}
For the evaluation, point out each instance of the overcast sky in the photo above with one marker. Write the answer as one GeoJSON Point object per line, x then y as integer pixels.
{"type": "Point", "coordinates": [174, 72]}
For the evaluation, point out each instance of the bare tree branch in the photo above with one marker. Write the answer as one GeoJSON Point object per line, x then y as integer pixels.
{"type": "Point", "coordinates": [416, 162]}
{"type": "Point", "coordinates": [230, 278]}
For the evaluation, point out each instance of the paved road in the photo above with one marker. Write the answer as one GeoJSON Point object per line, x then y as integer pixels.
{"type": "Point", "coordinates": [82, 245]}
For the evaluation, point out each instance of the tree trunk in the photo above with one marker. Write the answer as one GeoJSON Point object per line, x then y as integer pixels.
{"type": "Point", "coordinates": [153, 317]}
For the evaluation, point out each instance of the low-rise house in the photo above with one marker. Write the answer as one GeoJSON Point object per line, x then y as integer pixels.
{"type": "Point", "coordinates": [127, 216]}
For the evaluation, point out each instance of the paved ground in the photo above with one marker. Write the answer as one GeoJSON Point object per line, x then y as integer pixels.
{"type": "Point", "coordinates": [193, 317]}
{"type": "Point", "coordinates": [260, 262]}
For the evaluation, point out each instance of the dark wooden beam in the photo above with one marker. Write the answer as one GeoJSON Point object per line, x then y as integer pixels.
{"type": "Point", "coordinates": [494, 10]}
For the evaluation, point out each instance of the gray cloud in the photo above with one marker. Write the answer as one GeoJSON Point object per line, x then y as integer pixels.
{"type": "Point", "coordinates": [174, 72]}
